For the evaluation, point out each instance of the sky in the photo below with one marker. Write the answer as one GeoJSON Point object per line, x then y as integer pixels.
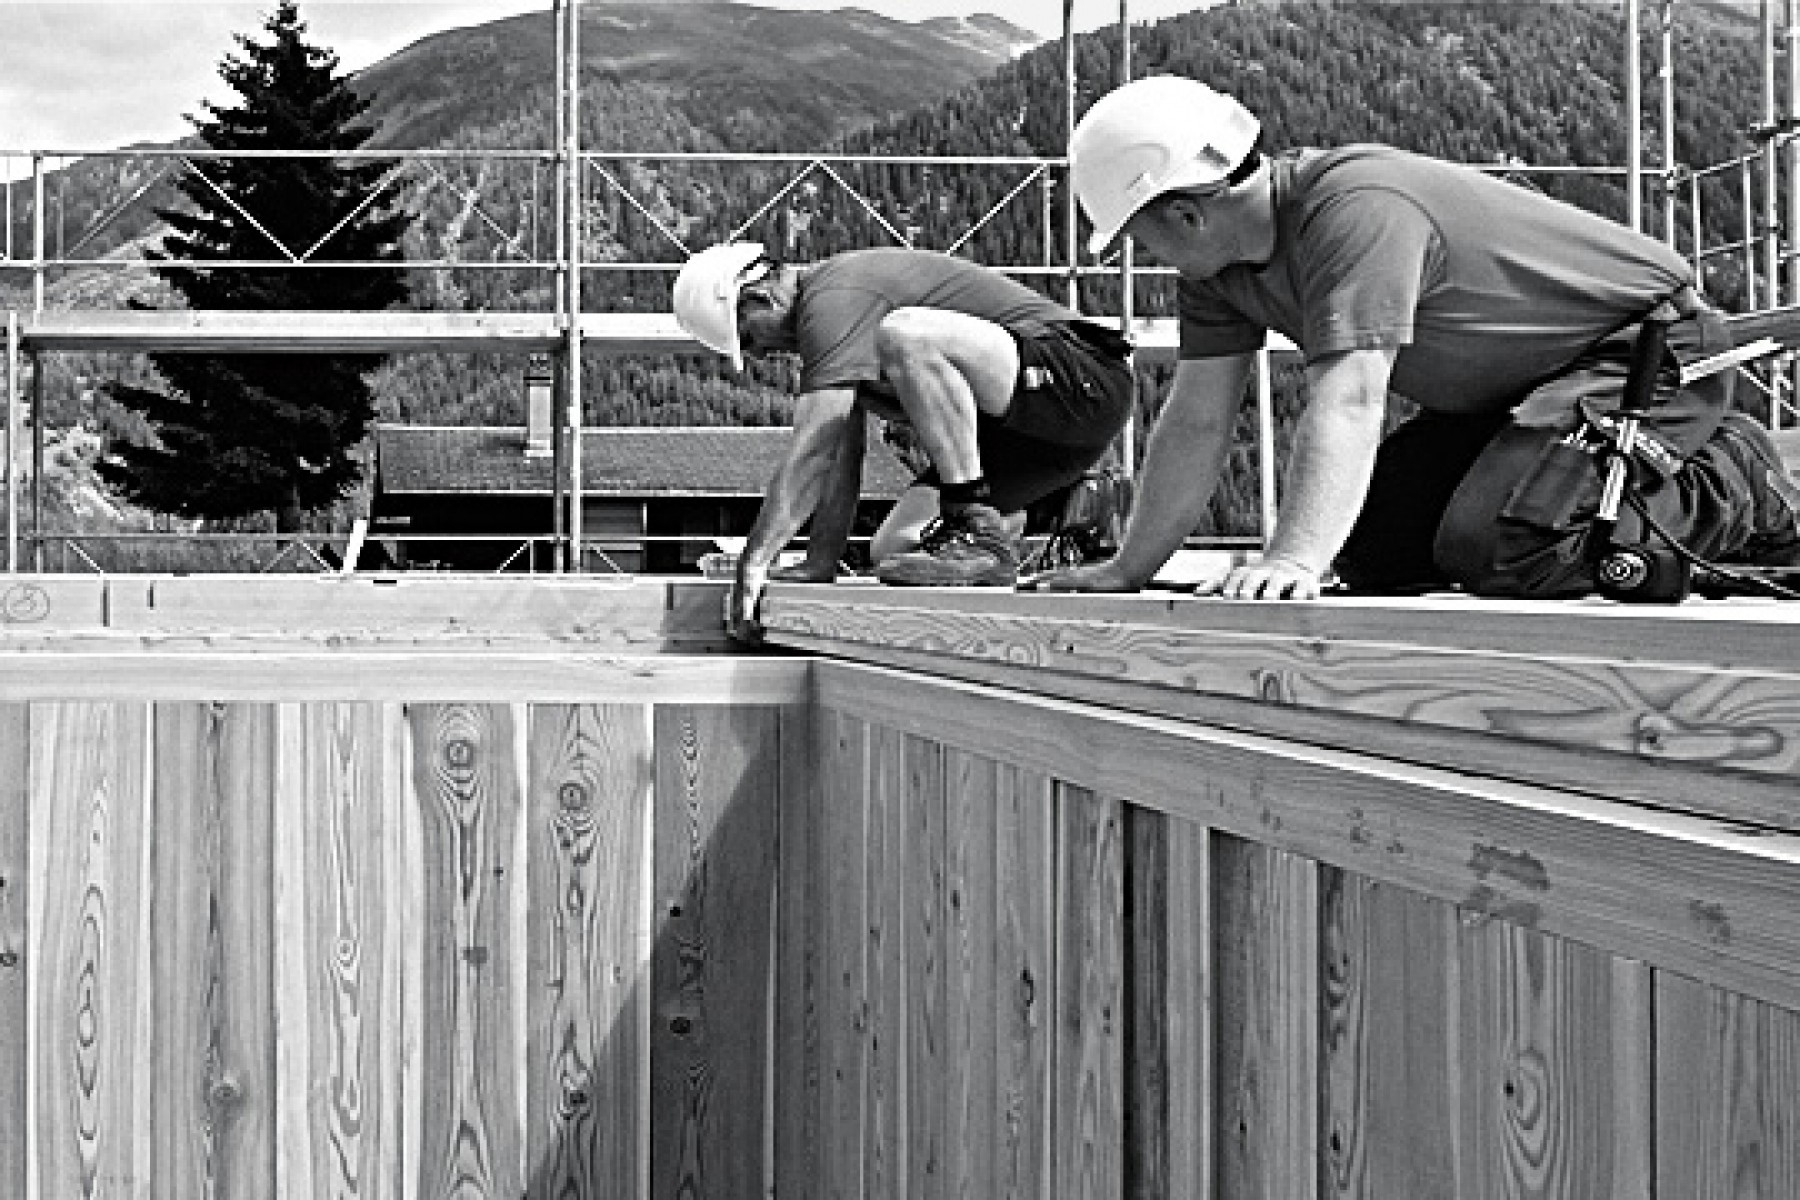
{"type": "Point", "coordinates": [99, 74]}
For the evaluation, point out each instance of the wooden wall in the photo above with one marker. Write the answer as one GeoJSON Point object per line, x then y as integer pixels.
{"type": "Point", "coordinates": [392, 912]}
{"type": "Point", "coordinates": [1040, 949]}
{"type": "Point", "coordinates": [388, 949]}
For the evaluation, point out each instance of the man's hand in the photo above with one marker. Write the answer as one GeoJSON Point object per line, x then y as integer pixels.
{"type": "Point", "coordinates": [1273, 578]}
{"type": "Point", "coordinates": [743, 601]}
{"type": "Point", "coordinates": [1105, 576]}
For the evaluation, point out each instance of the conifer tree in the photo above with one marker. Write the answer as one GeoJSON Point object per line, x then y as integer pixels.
{"type": "Point", "coordinates": [241, 435]}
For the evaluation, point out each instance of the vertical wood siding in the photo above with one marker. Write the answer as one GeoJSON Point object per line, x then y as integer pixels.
{"type": "Point", "coordinates": [365, 950]}
{"type": "Point", "coordinates": [630, 950]}
{"type": "Point", "coordinates": [1171, 1010]}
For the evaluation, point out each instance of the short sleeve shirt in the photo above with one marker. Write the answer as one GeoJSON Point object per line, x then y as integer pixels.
{"type": "Point", "coordinates": [1483, 288]}
{"type": "Point", "coordinates": [842, 300]}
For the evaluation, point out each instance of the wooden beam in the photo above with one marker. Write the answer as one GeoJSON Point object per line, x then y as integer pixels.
{"type": "Point", "coordinates": [1695, 708]}
{"type": "Point", "coordinates": [443, 671]}
{"type": "Point", "coordinates": [208, 332]}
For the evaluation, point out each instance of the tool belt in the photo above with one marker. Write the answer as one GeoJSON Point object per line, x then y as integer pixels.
{"type": "Point", "coordinates": [1538, 482]}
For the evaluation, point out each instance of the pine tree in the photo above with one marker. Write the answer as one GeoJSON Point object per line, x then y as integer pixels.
{"type": "Point", "coordinates": [247, 434]}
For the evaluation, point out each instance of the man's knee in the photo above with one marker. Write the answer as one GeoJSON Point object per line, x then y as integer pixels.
{"type": "Point", "coordinates": [905, 340]}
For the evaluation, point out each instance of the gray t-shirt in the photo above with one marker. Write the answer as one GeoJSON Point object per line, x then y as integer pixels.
{"type": "Point", "coordinates": [1483, 287]}
{"type": "Point", "coordinates": [842, 300]}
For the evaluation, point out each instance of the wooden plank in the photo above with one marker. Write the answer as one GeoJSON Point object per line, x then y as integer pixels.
{"type": "Point", "coordinates": [15, 967]}
{"type": "Point", "coordinates": [1388, 1047]}
{"type": "Point", "coordinates": [1191, 1009]}
{"type": "Point", "coordinates": [1727, 1094]}
{"type": "Point", "coordinates": [1549, 1031]}
{"type": "Point", "coordinates": [212, 1112]}
{"type": "Point", "coordinates": [1146, 1084]}
{"type": "Point", "coordinates": [1728, 635]}
{"type": "Point", "coordinates": [799, 945]}
{"type": "Point", "coordinates": [587, 987]}
{"type": "Point", "coordinates": [884, 1144]}
{"type": "Point", "coordinates": [442, 672]}
{"type": "Point", "coordinates": [337, 1119]}
{"type": "Point", "coordinates": [1705, 898]}
{"type": "Point", "coordinates": [41, 604]}
{"type": "Point", "coordinates": [1729, 795]}
{"type": "Point", "coordinates": [88, 1008]}
{"type": "Point", "coordinates": [466, 782]}
{"type": "Point", "coordinates": [640, 614]}
{"type": "Point", "coordinates": [844, 743]}
{"type": "Point", "coordinates": [248, 332]}
{"type": "Point", "coordinates": [1088, 1133]}
{"type": "Point", "coordinates": [1640, 706]}
{"type": "Point", "coordinates": [972, 999]}
{"type": "Point", "coordinates": [1266, 913]}
{"type": "Point", "coordinates": [1168, 1007]}
{"type": "Point", "coordinates": [926, 901]}
{"type": "Point", "coordinates": [1025, 970]}
{"type": "Point", "coordinates": [717, 810]}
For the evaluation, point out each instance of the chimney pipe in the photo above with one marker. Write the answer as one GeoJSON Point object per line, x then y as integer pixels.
{"type": "Point", "coordinates": [538, 407]}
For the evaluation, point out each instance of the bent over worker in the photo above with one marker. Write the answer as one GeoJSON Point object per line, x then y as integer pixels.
{"type": "Point", "coordinates": [1508, 317]}
{"type": "Point", "coordinates": [1013, 397]}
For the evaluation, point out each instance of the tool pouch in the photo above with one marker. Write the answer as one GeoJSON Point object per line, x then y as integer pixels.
{"type": "Point", "coordinates": [1561, 480]}
{"type": "Point", "coordinates": [1517, 523]}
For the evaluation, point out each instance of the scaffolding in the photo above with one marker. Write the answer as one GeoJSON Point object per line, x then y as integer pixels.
{"type": "Point", "coordinates": [1771, 268]}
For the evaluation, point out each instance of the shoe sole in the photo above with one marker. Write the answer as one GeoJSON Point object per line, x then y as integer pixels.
{"type": "Point", "coordinates": [901, 577]}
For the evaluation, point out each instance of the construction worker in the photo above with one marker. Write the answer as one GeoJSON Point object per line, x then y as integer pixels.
{"type": "Point", "coordinates": [1507, 317]}
{"type": "Point", "coordinates": [1012, 396]}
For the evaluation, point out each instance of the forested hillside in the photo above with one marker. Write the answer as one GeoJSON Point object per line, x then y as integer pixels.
{"type": "Point", "coordinates": [1492, 83]}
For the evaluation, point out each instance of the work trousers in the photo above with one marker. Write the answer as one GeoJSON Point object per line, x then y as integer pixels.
{"type": "Point", "coordinates": [1504, 504]}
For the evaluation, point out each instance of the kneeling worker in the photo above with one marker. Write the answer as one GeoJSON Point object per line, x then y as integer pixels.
{"type": "Point", "coordinates": [1012, 396]}
{"type": "Point", "coordinates": [1509, 317]}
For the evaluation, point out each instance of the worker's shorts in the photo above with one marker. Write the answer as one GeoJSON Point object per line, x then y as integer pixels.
{"type": "Point", "coordinates": [1072, 397]}
{"type": "Point", "coordinates": [1504, 505]}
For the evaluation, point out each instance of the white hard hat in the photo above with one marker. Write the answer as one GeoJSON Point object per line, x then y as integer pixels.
{"type": "Point", "coordinates": [706, 296]}
{"type": "Point", "coordinates": [1149, 137]}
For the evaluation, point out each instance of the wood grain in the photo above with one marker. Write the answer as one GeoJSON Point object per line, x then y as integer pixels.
{"type": "Point", "coordinates": [717, 770]}
{"type": "Point", "coordinates": [1389, 1048]}
{"type": "Point", "coordinates": [265, 670]}
{"type": "Point", "coordinates": [1670, 889]}
{"type": "Point", "coordinates": [1088, 1135]}
{"type": "Point", "coordinates": [212, 959]}
{"type": "Point", "coordinates": [884, 1147]}
{"type": "Point", "coordinates": [1727, 1094]}
{"type": "Point", "coordinates": [926, 902]}
{"type": "Point", "coordinates": [970, 1061]}
{"type": "Point", "coordinates": [588, 809]}
{"type": "Point", "coordinates": [466, 782]}
{"type": "Point", "coordinates": [844, 954]}
{"type": "Point", "coordinates": [1169, 1007]}
{"type": "Point", "coordinates": [88, 1079]}
{"type": "Point", "coordinates": [1266, 922]}
{"type": "Point", "coordinates": [337, 1123]}
{"type": "Point", "coordinates": [799, 941]}
{"type": "Point", "coordinates": [1745, 719]}
{"type": "Point", "coordinates": [15, 967]}
{"type": "Point", "coordinates": [1025, 982]}
{"type": "Point", "coordinates": [1546, 1029]}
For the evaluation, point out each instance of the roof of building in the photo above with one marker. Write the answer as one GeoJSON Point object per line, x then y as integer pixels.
{"type": "Point", "coordinates": [653, 461]}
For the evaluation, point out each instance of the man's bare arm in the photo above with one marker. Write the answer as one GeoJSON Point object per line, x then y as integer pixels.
{"type": "Point", "coordinates": [821, 423]}
{"type": "Point", "coordinates": [1328, 479]}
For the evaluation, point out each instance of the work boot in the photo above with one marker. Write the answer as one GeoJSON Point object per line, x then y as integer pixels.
{"type": "Point", "coordinates": [1775, 537]}
{"type": "Point", "coordinates": [967, 547]}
